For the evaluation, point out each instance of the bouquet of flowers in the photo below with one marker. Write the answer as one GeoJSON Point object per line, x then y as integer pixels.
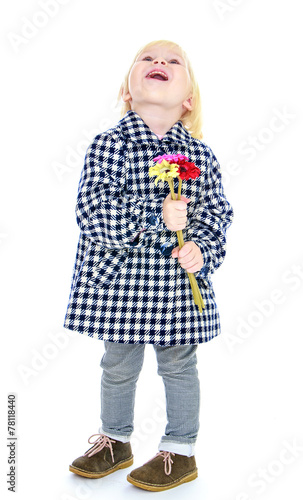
{"type": "Point", "coordinates": [166, 169]}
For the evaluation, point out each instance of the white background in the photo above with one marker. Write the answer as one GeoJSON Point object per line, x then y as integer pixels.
{"type": "Point", "coordinates": [61, 73]}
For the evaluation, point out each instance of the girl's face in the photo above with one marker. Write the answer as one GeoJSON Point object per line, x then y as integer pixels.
{"type": "Point", "coordinates": [160, 76]}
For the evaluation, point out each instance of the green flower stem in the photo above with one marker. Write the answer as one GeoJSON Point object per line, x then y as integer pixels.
{"type": "Point", "coordinates": [192, 279]}
{"type": "Point", "coordinates": [179, 189]}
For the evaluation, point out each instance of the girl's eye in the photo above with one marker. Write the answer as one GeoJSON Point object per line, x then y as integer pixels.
{"type": "Point", "coordinates": [149, 58]}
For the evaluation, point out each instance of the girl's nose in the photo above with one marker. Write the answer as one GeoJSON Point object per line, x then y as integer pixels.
{"type": "Point", "coordinates": [159, 60]}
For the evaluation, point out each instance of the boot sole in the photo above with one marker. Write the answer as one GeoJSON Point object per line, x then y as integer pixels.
{"type": "Point", "coordinates": [161, 487]}
{"type": "Point", "coordinates": [96, 475]}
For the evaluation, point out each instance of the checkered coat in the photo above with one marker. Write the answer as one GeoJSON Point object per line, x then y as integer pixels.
{"type": "Point", "coordinates": [126, 287]}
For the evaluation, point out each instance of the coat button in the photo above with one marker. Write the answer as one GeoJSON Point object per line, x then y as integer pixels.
{"type": "Point", "coordinates": [152, 220]}
{"type": "Point", "coordinates": [166, 249]}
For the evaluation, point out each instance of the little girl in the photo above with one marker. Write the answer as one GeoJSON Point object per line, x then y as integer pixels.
{"type": "Point", "coordinates": [130, 285]}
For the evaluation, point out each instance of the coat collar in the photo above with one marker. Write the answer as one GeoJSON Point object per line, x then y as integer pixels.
{"type": "Point", "coordinates": [135, 129]}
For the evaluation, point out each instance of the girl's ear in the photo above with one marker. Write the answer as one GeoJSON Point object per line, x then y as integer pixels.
{"type": "Point", "coordinates": [125, 96]}
{"type": "Point", "coordinates": [188, 103]}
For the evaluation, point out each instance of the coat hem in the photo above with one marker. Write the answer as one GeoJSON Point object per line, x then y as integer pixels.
{"type": "Point", "coordinates": [141, 339]}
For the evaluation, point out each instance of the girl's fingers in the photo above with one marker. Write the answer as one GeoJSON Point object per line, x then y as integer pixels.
{"type": "Point", "coordinates": [193, 269]}
{"type": "Point", "coordinates": [190, 260]}
{"type": "Point", "coordinates": [175, 252]}
{"type": "Point", "coordinates": [188, 257]}
{"type": "Point", "coordinates": [183, 198]}
{"type": "Point", "coordinates": [186, 249]}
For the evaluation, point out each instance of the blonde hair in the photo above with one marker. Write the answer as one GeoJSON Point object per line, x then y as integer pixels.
{"type": "Point", "coordinates": [191, 120]}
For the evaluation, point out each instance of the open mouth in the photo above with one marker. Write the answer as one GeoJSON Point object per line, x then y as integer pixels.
{"type": "Point", "coordinates": [157, 75]}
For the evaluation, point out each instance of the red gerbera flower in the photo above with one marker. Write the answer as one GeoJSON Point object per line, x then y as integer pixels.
{"type": "Point", "coordinates": [188, 170]}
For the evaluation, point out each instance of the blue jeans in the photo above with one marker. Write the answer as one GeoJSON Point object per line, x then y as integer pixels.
{"type": "Point", "coordinates": [122, 363]}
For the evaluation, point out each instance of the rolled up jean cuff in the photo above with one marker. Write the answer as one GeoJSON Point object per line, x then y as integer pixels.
{"type": "Point", "coordinates": [115, 437]}
{"type": "Point", "coordinates": [187, 449]}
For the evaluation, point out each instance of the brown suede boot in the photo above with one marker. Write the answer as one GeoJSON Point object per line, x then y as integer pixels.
{"type": "Point", "coordinates": [158, 476]}
{"type": "Point", "coordinates": [105, 457]}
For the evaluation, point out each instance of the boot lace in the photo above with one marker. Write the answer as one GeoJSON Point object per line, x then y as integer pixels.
{"type": "Point", "coordinates": [99, 443]}
{"type": "Point", "coordinates": [168, 461]}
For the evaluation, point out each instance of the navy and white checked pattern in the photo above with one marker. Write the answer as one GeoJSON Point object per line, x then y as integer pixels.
{"type": "Point", "coordinates": [126, 287]}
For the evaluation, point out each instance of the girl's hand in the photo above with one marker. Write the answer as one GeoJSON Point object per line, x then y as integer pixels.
{"type": "Point", "coordinates": [189, 257]}
{"type": "Point", "coordinates": [175, 213]}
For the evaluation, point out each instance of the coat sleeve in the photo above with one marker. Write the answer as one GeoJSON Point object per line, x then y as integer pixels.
{"type": "Point", "coordinates": [105, 211]}
{"type": "Point", "coordinates": [211, 218]}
